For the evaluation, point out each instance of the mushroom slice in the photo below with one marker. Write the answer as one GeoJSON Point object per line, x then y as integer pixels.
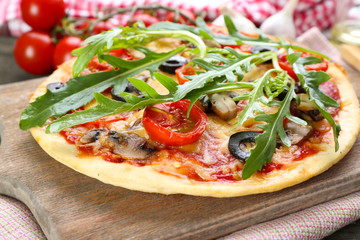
{"type": "Point", "coordinates": [223, 105]}
{"type": "Point", "coordinates": [91, 136]}
{"type": "Point", "coordinates": [297, 132]}
{"type": "Point", "coordinates": [128, 145]}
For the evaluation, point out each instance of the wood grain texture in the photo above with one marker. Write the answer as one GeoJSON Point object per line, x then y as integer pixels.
{"type": "Point", "coordinates": [69, 205]}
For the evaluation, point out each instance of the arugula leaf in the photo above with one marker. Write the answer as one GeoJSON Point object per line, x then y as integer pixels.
{"type": "Point", "coordinates": [310, 80]}
{"type": "Point", "coordinates": [107, 106]}
{"type": "Point", "coordinates": [80, 90]}
{"type": "Point", "coordinates": [227, 70]}
{"type": "Point", "coordinates": [130, 37]}
{"type": "Point", "coordinates": [96, 46]}
{"type": "Point", "coordinates": [104, 108]}
{"type": "Point", "coordinates": [266, 142]}
{"type": "Point", "coordinates": [255, 96]}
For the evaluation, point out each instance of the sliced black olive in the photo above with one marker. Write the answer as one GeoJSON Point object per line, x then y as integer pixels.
{"type": "Point", "coordinates": [130, 88]}
{"type": "Point", "coordinates": [117, 97]}
{"type": "Point", "coordinates": [316, 115]}
{"type": "Point", "coordinates": [298, 89]}
{"type": "Point", "coordinates": [282, 95]}
{"type": "Point", "coordinates": [55, 86]}
{"type": "Point", "coordinates": [259, 49]}
{"type": "Point", "coordinates": [173, 63]}
{"type": "Point", "coordinates": [191, 45]}
{"type": "Point", "coordinates": [241, 138]}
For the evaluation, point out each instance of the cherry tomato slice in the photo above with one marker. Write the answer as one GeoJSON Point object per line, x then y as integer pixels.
{"type": "Point", "coordinates": [184, 70]}
{"type": "Point", "coordinates": [167, 123]}
{"type": "Point", "coordinates": [285, 64]}
{"type": "Point", "coordinates": [95, 66]}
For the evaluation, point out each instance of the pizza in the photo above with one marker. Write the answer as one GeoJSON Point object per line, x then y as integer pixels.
{"type": "Point", "coordinates": [168, 115]}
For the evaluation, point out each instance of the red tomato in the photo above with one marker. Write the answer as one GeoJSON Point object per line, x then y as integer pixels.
{"type": "Point", "coordinates": [102, 27]}
{"type": "Point", "coordinates": [182, 71]}
{"type": "Point", "coordinates": [42, 14]}
{"type": "Point", "coordinates": [147, 19]}
{"type": "Point", "coordinates": [170, 16]}
{"type": "Point", "coordinates": [34, 51]}
{"type": "Point", "coordinates": [63, 49]}
{"type": "Point", "coordinates": [285, 64]}
{"type": "Point", "coordinates": [167, 123]}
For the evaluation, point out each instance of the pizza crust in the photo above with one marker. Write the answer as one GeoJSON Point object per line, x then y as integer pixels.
{"type": "Point", "coordinates": [148, 180]}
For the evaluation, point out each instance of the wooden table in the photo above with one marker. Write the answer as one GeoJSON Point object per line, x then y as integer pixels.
{"type": "Point", "coordinates": [10, 72]}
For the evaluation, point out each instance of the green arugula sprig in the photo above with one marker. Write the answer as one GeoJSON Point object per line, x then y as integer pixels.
{"type": "Point", "coordinates": [130, 37]}
{"type": "Point", "coordinates": [231, 70]}
{"type": "Point", "coordinates": [310, 80]}
{"type": "Point", "coordinates": [266, 142]}
{"type": "Point", "coordinates": [257, 94]}
{"type": "Point", "coordinates": [80, 90]}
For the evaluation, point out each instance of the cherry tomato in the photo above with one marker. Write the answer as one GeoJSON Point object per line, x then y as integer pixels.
{"type": "Point", "coordinates": [34, 51]}
{"type": "Point", "coordinates": [63, 49]}
{"type": "Point", "coordinates": [182, 71]}
{"type": "Point", "coordinates": [285, 64]}
{"type": "Point", "coordinates": [170, 16]}
{"type": "Point", "coordinates": [147, 19]}
{"type": "Point", "coordinates": [167, 123]}
{"type": "Point", "coordinates": [102, 27]}
{"type": "Point", "coordinates": [42, 14]}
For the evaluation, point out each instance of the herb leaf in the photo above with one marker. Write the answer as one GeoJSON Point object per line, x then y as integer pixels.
{"type": "Point", "coordinates": [255, 96]}
{"type": "Point", "coordinates": [80, 90]}
{"type": "Point", "coordinates": [236, 65]}
{"type": "Point", "coordinates": [107, 106]}
{"type": "Point", "coordinates": [266, 142]}
{"type": "Point", "coordinates": [310, 80]}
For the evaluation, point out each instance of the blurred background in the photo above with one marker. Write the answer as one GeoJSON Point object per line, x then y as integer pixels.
{"type": "Point", "coordinates": [337, 20]}
{"type": "Point", "coordinates": [36, 36]}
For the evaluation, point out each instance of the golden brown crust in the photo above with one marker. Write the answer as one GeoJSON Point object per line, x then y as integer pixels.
{"type": "Point", "coordinates": [148, 180]}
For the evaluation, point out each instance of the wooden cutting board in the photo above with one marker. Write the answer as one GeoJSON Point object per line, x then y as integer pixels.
{"type": "Point", "coordinates": [69, 205]}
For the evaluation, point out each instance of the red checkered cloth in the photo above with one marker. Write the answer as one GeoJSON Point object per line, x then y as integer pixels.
{"type": "Point", "coordinates": [308, 13]}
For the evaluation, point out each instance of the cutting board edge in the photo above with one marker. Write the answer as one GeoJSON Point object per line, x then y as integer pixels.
{"type": "Point", "coordinates": [15, 188]}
